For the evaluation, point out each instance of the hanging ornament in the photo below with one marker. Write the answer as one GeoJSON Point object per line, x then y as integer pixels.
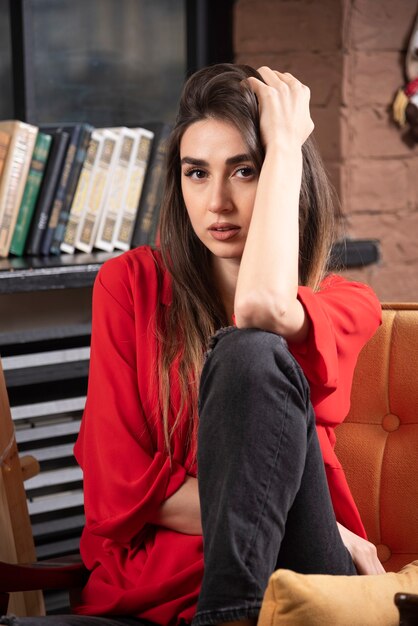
{"type": "Point", "coordinates": [405, 104]}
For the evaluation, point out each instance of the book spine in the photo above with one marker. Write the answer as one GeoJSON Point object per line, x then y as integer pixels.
{"type": "Point", "coordinates": [81, 193]}
{"type": "Point", "coordinates": [130, 202]}
{"type": "Point", "coordinates": [114, 202]}
{"type": "Point", "coordinates": [101, 177]}
{"type": "Point", "coordinates": [149, 211]}
{"type": "Point", "coordinates": [80, 156]}
{"type": "Point", "coordinates": [4, 146]}
{"type": "Point", "coordinates": [31, 193]}
{"type": "Point", "coordinates": [59, 199]}
{"type": "Point", "coordinates": [47, 193]}
{"type": "Point", "coordinates": [21, 158]}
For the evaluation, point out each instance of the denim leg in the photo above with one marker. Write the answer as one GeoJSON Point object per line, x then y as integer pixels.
{"type": "Point", "coordinates": [262, 484]}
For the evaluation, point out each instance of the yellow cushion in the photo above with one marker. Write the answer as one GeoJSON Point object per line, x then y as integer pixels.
{"type": "Point", "coordinates": [318, 600]}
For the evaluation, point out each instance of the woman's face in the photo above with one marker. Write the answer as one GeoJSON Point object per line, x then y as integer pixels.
{"type": "Point", "coordinates": [219, 183]}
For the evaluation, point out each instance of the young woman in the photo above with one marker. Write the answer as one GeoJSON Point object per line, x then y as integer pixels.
{"type": "Point", "coordinates": [229, 440]}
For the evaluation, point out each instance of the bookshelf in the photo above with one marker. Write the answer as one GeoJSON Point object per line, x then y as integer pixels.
{"type": "Point", "coordinates": [72, 271]}
{"type": "Point", "coordinates": [29, 61]}
{"type": "Point", "coordinates": [68, 271]}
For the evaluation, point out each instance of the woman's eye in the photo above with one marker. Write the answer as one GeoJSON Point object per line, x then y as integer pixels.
{"type": "Point", "coordinates": [245, 172]}
{"type": "Point", "coordinates": [195, 173]}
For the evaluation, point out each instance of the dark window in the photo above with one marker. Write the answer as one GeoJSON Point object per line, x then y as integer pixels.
{"type": "Point", "coordinates": [6, 85]}
{"type": "Point", "coordinates": [109, 62]}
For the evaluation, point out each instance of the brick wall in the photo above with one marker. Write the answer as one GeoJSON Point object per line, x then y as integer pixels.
{"type": "Point", "coordinates": [351, 53]}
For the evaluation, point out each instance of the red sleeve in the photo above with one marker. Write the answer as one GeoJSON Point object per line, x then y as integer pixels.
{"type": "Point", "coordinates": [125, 477]}
{"type": "Point", "coordinates": [343, 316]}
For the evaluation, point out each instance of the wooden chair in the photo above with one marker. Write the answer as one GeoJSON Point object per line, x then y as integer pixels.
{"type": "Point", "coordinates": [16, 543]}
{"type": "Point", "coordinates": [16, 540]}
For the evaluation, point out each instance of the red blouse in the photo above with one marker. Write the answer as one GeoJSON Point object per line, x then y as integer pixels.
{"type": "Point", "coordinates": [138, 568]}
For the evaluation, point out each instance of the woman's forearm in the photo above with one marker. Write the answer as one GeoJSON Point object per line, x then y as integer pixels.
{"type": "Point", "coordinates": [181, 511]}
{"type": "Point", "coordinates": [266, 295]}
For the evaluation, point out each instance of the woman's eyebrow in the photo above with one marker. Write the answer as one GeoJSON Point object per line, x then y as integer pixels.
{"type": "Point", "coordinates": [233, 160]}
{"type": "Point", "coordinates": [191, 161]}
{"type": "Point", "coordinates": [239, 158]}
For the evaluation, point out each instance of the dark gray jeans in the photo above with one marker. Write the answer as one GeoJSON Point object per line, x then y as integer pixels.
{"type": "Point", "coordinates": [263, 490]}
{"type": "Point", "coordinates": [264, 496]}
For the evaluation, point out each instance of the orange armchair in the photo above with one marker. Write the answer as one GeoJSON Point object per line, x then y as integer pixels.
{"type": "Point", "coordinates": [378, 442]}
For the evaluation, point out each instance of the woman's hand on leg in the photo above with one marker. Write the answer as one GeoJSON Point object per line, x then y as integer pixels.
{"type": "Point", "coordinates": [363, 552]}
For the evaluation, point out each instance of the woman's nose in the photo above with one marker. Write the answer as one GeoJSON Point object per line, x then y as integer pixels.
{"type": "Point", "coordinates": [220, 197]}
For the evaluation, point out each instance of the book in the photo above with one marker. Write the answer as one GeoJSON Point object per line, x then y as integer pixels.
{"type": "Point", "coordinates": [60, 139]}
{"type": "Point", "coordinates": [115, 197]}
{"type": "Point", "coordinates": [101, 179]}
{"type": "Point", "coordinates": [149, 207]}
{"type": "Point", "coordinates": [80, 156]}
{"type": "Point", "coordinates": [60, 194]}
{"type": "Point", "coordinates": [135, 181]}
{"type": "Point", "coordinates": [31, 193]}
{"type": "Point", "coordinates": [4, 146]}
{"type": "Point", "coordinates": [15, 172]}
{"type": "Point", "coordinates": [81, 193]}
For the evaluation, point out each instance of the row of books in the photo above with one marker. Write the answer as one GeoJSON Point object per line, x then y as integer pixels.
{"type": "Point", "coordinates": [76, 187]}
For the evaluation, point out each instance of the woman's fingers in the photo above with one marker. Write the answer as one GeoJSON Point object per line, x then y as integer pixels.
{"type": "Point", "coordinates": [366, 560]}
{"type": "Point", "coordinates": [289, 79]}
{"type": "Point", "coordinates": [363, 552]}
{"type": "Point", "coordinates": [284, 106]}
{"type": "Point", "coordinates": [276, 78]}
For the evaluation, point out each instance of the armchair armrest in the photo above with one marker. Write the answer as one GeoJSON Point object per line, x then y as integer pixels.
{"type": "Point", "coordinates": [407, 604]}
{"type": "Point", "coordinates": [66, 573]}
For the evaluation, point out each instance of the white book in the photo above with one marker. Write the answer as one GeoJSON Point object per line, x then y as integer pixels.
{"type": "Point", "coordinates": [113, 208]}
{"type": "Point", "coordinates": [15, 171]}
{"type": "Point", "coordinates": [101, 179]}
{"type": "Point", "coordinates": [130, 203]}
{"type": "Point", "coordinates": [79, 203]}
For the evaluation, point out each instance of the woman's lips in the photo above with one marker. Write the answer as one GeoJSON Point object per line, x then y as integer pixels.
{"type": "Point", "coordinates": [223, 231]}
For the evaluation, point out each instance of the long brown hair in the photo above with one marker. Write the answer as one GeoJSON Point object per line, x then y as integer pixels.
{"type": "Point", "coordinates": [220, 92]}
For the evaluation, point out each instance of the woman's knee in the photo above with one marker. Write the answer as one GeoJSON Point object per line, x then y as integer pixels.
{"type": "Point", "coordinates": [249, 375]}
{"type": "Point", "coordinates": [249, 355]}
